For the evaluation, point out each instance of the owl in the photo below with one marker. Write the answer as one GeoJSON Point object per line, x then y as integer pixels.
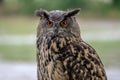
{"type": "Point", "coordinates": [61, 52]}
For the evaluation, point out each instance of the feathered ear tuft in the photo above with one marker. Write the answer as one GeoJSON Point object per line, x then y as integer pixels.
{"type": "Point", "coordinates": [73, 12]}
{"type": "Point", "coordinates": [42, 13]}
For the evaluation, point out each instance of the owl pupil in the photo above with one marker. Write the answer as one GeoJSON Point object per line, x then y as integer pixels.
{"type": "Point", "coordinates": [63, 23]}
{"type": "Point", "coordinates": [49, 23]}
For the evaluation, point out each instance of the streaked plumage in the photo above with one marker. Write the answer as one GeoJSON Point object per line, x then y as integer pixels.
{"type": "Point", "coordinates": [61, 53]}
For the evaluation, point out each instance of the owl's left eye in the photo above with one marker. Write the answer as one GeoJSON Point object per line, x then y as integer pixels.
{"type": "Point", "coordinates": [63, 23]}
{"type": "Point", "coordinates": [49, 23]}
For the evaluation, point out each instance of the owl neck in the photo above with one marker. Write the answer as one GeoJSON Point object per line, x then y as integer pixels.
{"type": "Point", "coordinates": [60, 40]}
{"type": "Point", "coordinates": [57, 41]}
{"type": "Point", "coordinates": [67, 38]}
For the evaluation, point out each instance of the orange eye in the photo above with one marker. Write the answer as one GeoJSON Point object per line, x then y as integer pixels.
{"type": "Point", "coordinates": [49, 23]}
{"type": "Point", "coordinates": [63, 23]}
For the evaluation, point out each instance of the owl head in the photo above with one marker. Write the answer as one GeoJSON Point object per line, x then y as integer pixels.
{"type": "Point", "coordinates": [58, 22]}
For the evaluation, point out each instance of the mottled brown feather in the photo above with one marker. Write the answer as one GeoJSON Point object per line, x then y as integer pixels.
{"type": "Point", "coordinates": [75, 60]}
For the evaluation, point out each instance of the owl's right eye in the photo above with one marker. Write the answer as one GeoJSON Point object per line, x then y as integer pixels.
{"type": "Point", "coordinates": [49, 23]}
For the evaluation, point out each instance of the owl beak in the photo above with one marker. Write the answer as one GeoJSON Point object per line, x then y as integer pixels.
{"type": "Point", "coordinates": [56, 29]}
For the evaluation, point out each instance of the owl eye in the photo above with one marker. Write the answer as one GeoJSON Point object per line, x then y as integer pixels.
{"type": "Point", "coordinates": [49, 23]}
{"type": "Point", "coordinates": [63, 23]}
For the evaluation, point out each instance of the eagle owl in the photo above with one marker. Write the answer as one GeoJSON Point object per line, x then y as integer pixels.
{"type": "Point", "coordinates": [61, 53]}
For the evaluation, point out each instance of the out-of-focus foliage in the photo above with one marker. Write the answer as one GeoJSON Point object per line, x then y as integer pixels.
{"type": "Point", "coordinates": [116, 3]}
{"type": "Point", "coordinates": [29, 6]}
{"type": "Point", "coordinates": [88, 7]}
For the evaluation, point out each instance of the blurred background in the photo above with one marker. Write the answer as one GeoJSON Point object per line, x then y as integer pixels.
{"type": "Point", "coordinates": [99, 23]}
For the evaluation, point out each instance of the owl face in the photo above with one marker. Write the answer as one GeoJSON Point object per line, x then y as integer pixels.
{"type": "Point", "coordinates": [58, 22]}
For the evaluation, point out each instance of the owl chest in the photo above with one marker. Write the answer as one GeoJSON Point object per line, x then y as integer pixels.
{"type": "Point", "coordinates": [51, 49]}
{"type": "Point", "coordinates": [54, 57]}
{"type": "Point", "coordinates": [48, 48]}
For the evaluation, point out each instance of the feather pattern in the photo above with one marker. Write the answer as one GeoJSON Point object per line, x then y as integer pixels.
{"type": "Point", "coordinates": [67, 58]}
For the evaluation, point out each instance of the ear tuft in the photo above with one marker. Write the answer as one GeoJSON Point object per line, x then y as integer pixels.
{"type": "Point", "coordinates": [73, 12]}
{"type": "Point", "coordinates": [42, 13]}
{"type": "Point", "coordinates": [37, 12]}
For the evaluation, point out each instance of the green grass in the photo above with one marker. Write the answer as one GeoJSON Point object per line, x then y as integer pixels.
{"type": "Point", "coordinates": [18, 52]}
